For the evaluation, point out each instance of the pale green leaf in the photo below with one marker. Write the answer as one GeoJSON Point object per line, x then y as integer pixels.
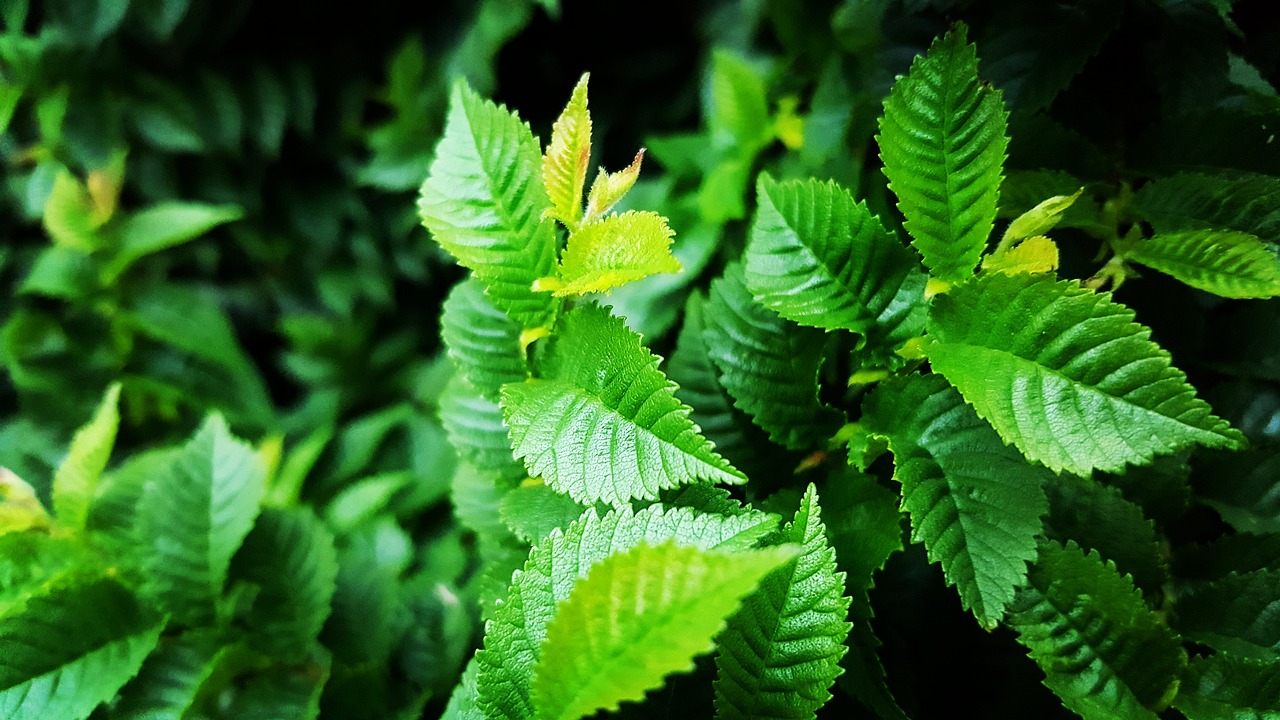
{"type": "Point", "coordinates": [163, 226]}
{"type": "Point", "coordinates": [1066, 375]}
{"type": "Point", "coordinates": [1223, 687]}
{"type": "Point", "coordinates": [1104, 652]}
{"type": "Point", "coordinates": [514, 635]}
{"type": "Point", "coordinates": [975, 503]}
{"type": "Point", "coordinates": [602, 424]}
{"type": "Point", "coordinates": [564, 167]}
{"type": "Point", "coordinates": [1036, 254]}
{"type": "Point", "coordinates": [20, 509]}
{"type": "Point", "coordinates": [614, 251]}
{"type": "Point", "coordinates": [481, 340]}
{"type": "Point", "coordinates": [1239, 614]}
{"type": "Point", "coordinates": [76, 480]}
{"type": "Point", "coordinates": [1227, 263]}
{"type": "Point", "coordinates": [484, 202]}
{"type": "Point", "coordinates": [1040, 219]}
{"type": "Point", "coordinates": [942, 140]}
{"type": "Point", "coordinates": [818, 258]}
{"type": "Point", "coordinates": [192, 518]}
{"type": "Point", "coordinates": [609, 188]}
{"type": "Point", "coordinates": [767, 365]}
{"type": "Point", "coordinates": [64, 653]}
{"type": "Point", "coordinates": [781, 651]}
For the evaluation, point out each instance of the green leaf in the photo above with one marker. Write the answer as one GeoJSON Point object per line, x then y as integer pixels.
{"type": "Point", "coordinates": [1196, 201]}
{"type": "Point", "coordinates": [1223, 686]}
{"type": "Point", "coordinates": [636, 617]}
{"type": "Point", "coordinates": [1103, 651]}
{"type": "Point", "coordinates": [76, 480]}
{"type": "Point", "coordinates": [1040, 219]}
{"type": "Point", "coordinates": [564, 167]}
{"type": "Point", "coordinates": [162, 226]}
{"type": "Point", "coordinates": [942, 140]}
{"type": "Point", "coordinates": [69, 216]}
{"type": "Point", "coordinates": [1036, 254]}
{"type": "Point", "coordinates": [739, 112]}
{"type": "Point", "coordinates": [64, 653]}
{"type": "Point", "coordinates": [193, 517]}
{"type": "Point", "coordinates": [1239, 614]}
{"type": "Point", "coordinates": [289, 556]}
{"type": "Point", "coordinates": [171, 679]}
{"type": "Point", "coordinates": [1242, 487]}
{"type": "Point", "coordinates": [603, 423]}
{"type": "Point", "coordinates": [20, 509]}
{"type": "Point", "coordinates": [781, 651]}
{"type": "Point", "coordinates": [1066, 375]}
{"type": "Point", "coordinates": [767, 365]}
{"type": "Point", "coordinates": [280, 692]}
{"type": "Point", "coordinates": [481, 340]}
{"type": "Point", "coordinates": [818, 258]}
{"type": "Point", "coordinates": [532, 511]}
{"type": "Point", "coordinates": [614, 251]}
{"type": "Point", "coordinates": [1226, 263]}
{"type": "Point", "coordinates": [463, 702]}
{"type": "Point", "coordinates": [475, 429]}
{"type": "Point", "coordinates": [975, 503]}
{"type": "Point", "coordinates": [514, 635]}
{"type": "Point", "coordinates": [484, 202]}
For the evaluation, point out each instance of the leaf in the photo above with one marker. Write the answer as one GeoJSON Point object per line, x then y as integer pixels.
{"type": "Point", "coordinates": [1223, 686]}
{"type": "Point", "coordinates": [1066, 375]}
{"type": "Point", "coordinates": [738, 116]}
{"type": "Point", "coordinates": [1239, 614]}
{"type": "Point", "coordinates": [781, 650]}
{"type": "Point", "coordinates": [475, 429]}
{"type": "Point", "coordinates": [162, 226]}
{"type": "Point", "coordinates": [1197, 201]}
{"type": "Point", "coordinates": [614, 251]}
{"type": "Point", "coordinates": [481, 340]}
{"type": "Point", "coordinates": [484, 202]}
{"type": "Point", "coordinates": [20, 509]}
{"type": "Point", "coordinates": [1103, 651]}
{"type": "Point", "coordinates": [1036, 254]}
{"type": "Point", "coordinates": [463, 702]}
{"type": "Point", "coordinates": [636, 617]}
{"type": "Point", "coordinates": [767, 365]}
{"type": "Point", "coordinates": [1242, 487]}
{"type": "Point", "coordinates": [1226, 263]}
{"type": "Point", "coordinates": [820, 259]}
{"type": "Point", "coordinates": [76, 480]}
{"type": "Point", "coordinates": [514, 635]}
{"type": "Point", "coordinates": [280, 692]}
{"type": "Point", "coordinates": [975, 503]}
{"type": "Point", "coordinates": [171, 679]}
{"type": "Point", "coordinates": [603, 423]}
{"type": "Point", "coordinates": [564, 167]}
{"type": "Point", "coordinates": [193, 517]}
{"type": "Point", "coordinates": [609, 188]}
{"type": "Point", "coordinates": [1040, 219]}
{"type": "Point", "coordinates": [64, 653]}
{"type": "Point", "coordinates": [942, 140]}
{"type": "Point", "coordinates": [534, 510]}
{"type": "Point", "coordinates": [69, 216]}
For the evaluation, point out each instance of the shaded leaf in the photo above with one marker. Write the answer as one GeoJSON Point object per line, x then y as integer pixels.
{"type": "Point", "coordinates": [1230, 264]}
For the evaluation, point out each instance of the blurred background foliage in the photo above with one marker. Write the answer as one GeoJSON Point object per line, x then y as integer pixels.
{"type": "Point", "coordinates": [212, 203]}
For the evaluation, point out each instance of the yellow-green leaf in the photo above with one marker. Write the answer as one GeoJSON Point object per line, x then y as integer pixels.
{"type": "Point", "coordinates": [614, 251]}
{"type": "Point", "coordinates": [1040, 219]}
{"type": "Point", "coordinates": [1036, 254]}
{"type": "Point", "coordinates": [564, 167]}
{"type": "Point", "coordinates": [609, 188]}
{"type": "Point", "coordinates": [76, 480]}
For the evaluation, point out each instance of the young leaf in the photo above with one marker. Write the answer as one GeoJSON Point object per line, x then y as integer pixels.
{"type": "Point", "coordinates": [1036, 254]}
{"type": "Point", "coordinates": [193, 517]}
{"type": "Point", "coordinates": [514, 635]}
{"type": "Point", "coordinates": [974, 501]}
{"type": "Point", "coordinates": [1239, 614]}
{"type": "Point", "coordinates": [942, 140]}
{"type": "Point", "coordinates": [609, 188]}
{"type": "Point", "coordinates": [564, 167]}
{"type": "Point", "coordinates": [1040, 219]}
{"type": "Point", "coordinates": [636, 617]}
{"type": "Point", "coordinates": [767, 365]}
{"type": "Point", "coordinates": [1227, 263]}
{"type": "Point", "coordinates": [1103, 651]}
{"type": "Point", "coordinates": [614, 251]}
{"type": "Point", "coordinates": [69, 216]}
{"type": "Point", "coordinates": [1224, 686]}
{"type": "Point", "coordinates": [781, 651]}
{"type": "Point", "coordinates": [603, 423]}
{"type": "Point", "coordinates": [20, 509]}
{"type": "Point", "coordinates": [484, 202]}
{"type": "Point", "coordinates": [1066, 375]}
{"type": "Point", "coordinates": [65, 652]}
{"type": "Point", "coordinates": [820, 259]}
{"type": "Point", "coordinates": [481, 340]}
{"type": "Point", "coordinates": [76, 480]}
{"type": "Point", "coordinates": [739, 112]}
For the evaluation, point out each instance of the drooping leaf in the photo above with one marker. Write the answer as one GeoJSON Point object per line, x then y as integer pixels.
{"type": "Point", "coordinates": [514, 635]}
{"type": "Point", "coordinates": [76, 480]}
{"type": "Point", "coordinates": [637, 616]}
{"type": "Point", "coordinates": [820, 259]}
{"type": "Point", "coordinates": [1106, 654]}
{"type": "Point", "coordinates": [474, 426]}
{"type": "Point", "coordinates": [1239, 614]}
{"type": "Point", "coordinates": [767, 365]}
{"type": "Point", "coordinates": [163, 226]}
{"type": "Point", "coordinates": [1227, 263]}
{"type": "Point", "coordinates": [614, 251]}
{"type": "Point", "coordinates": [1224, 686]}
{"type": "Point", "coordinates": [942, 140]}
{"type": "Point", "coordinates": [484, 202]}
{"type": "Point", "coordinates": [481, 340]}
{"type": "Point", "coordinates": [974, 502]}
{"type": "Point", "coordinates": [1198, 201]}
{"type": "Point", "coordinates": [1066, 375]}
{"type": "Point", "coordinates": [602, 424]}
{"type": "Point", "coordinates": [192, 518]}
{"type": "Point", "coordinates": [564, 167]}
{"type": "Point", "coordinates": [65, 652]}
{"type": "Point", "coordinates": [781, 650]}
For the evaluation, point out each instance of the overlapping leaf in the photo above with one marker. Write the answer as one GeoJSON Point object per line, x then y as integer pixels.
{"type": "Point", "coordinates": [481, 340]}
{"type": "Point", "coordinates": [1227, 263]}
{"type": "Point", "coordinates": [820, 259]}
{"type": "Point", "coordinates": [1224, 686]}
{"type": "Point", "coordinates": [942, 139]}
{"type": "Point", "coordinates": [781, 651]}
{"type": "Point", "coordinates": [602, 424]}
{"type": "Point", "coordinates": [1106, 654]}
{"type": "Point", "coordinates": [171, 679]}
{"type": "Point", "coordinates": [1193, 201]}
{"type": "Point", "coordinates": [1239, 613]}
{"type": "Point", "coordinates": [1066, 375]}
{"type": "Point", "coordinates": [975, 503]}
{"type": "Point", "coordinates": [76, 480]}
{"type": "Point", "coordinates": [475, 429]}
